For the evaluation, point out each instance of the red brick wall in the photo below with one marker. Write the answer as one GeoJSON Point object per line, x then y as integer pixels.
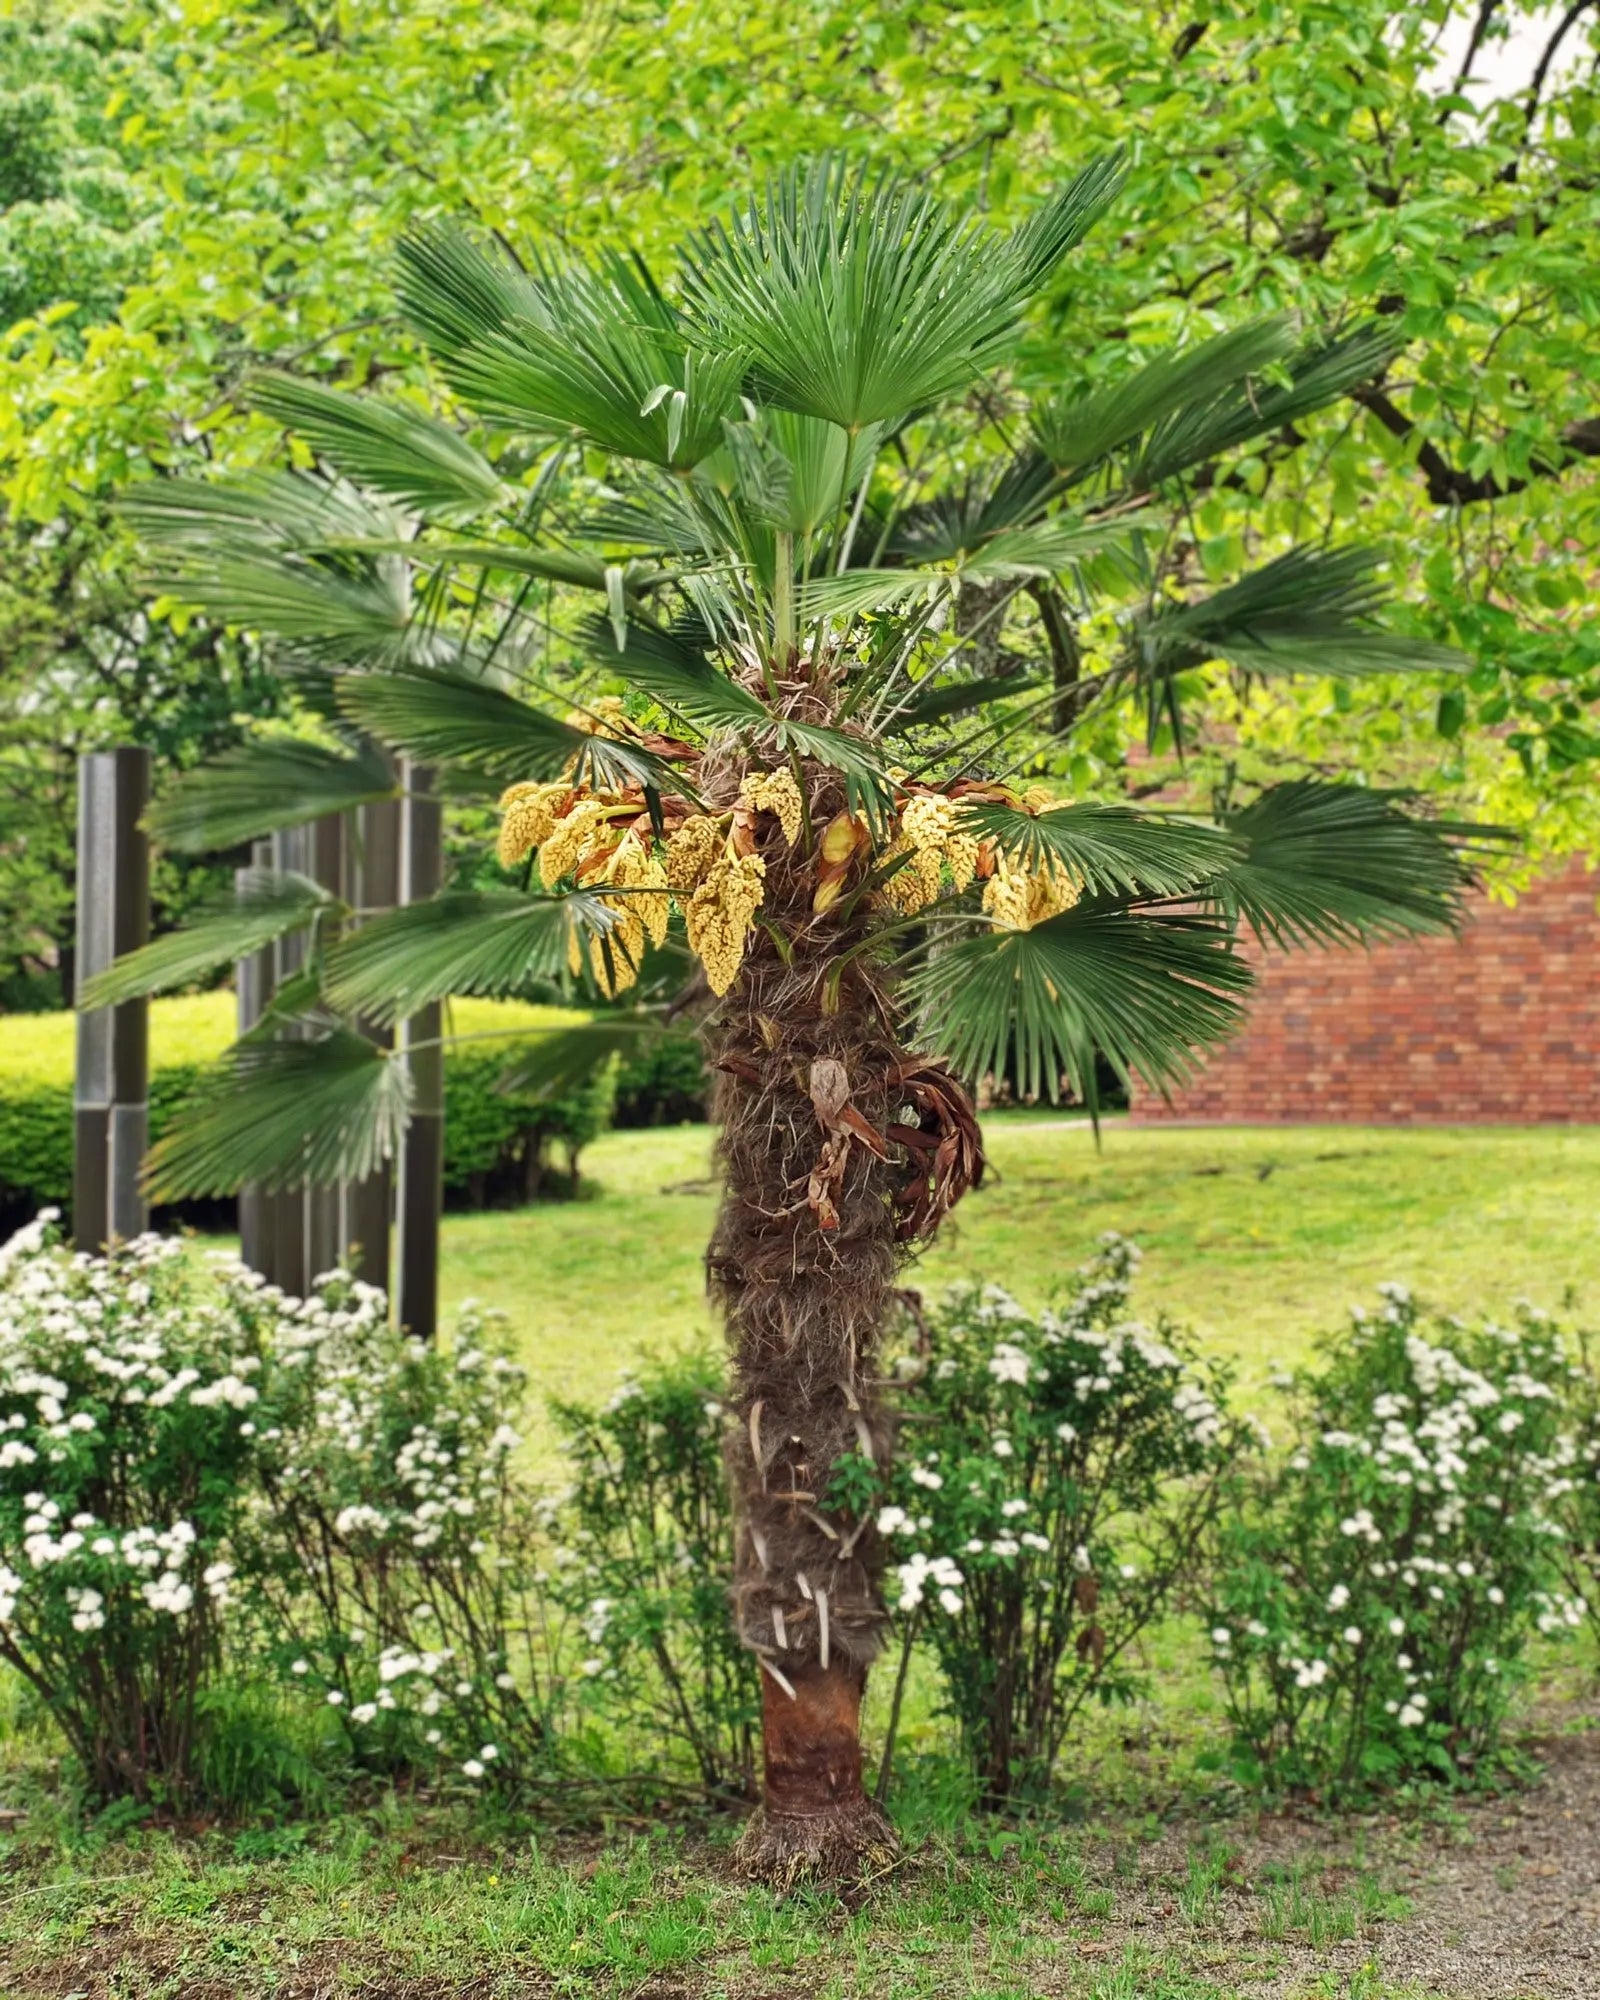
{"type": "Point", "coordinates": [1498, 1026]}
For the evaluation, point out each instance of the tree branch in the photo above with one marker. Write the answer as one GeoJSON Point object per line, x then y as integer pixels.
{"type": "Point", "coordinates": [1448, 485]}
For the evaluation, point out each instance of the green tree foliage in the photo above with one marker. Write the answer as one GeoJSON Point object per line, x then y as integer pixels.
{"type": "Point", "coordinates": [184, 195]}
{"type": "Point", "coordinates": [232, 175]}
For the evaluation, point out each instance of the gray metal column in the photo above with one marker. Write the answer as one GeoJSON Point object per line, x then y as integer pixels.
{"type": "Point", "coordinates": [253, 978]}
{"type": "Point", "coordinates": [420, 1196]}
{"type": "Point", "coordinates": [372, 882]}
{"type": "Point", "coordinates": [323, 1243]}
{"type": "Point", "coordinates": [111, 1110]}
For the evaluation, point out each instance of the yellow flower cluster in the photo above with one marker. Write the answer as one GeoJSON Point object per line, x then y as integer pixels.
{"type": "Point", "coordinates": [572, 839]}
{"type": "Point", "coordinates": [530, 817]}
{"type": "Point", "coordinates": [641, 913]}
{"type": "Point", "coordinates": [719, 914]}
{"type": "Point", "coordinates": [1020, 898]}
{"type": "Point", "coordinates": [932, 834]}
{"type": "Point", "coordinates": [691, 852]}
{"type": "Point", "coordinates": [775, 792]}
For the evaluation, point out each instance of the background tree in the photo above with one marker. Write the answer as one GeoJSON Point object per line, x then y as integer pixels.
{"type": "Point", "coordinates": [185, 197]}
{"type": "Point", "coordinates": [735, 519]}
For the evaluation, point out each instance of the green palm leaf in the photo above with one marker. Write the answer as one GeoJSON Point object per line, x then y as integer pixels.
{"type": "Point", "coordinates": [403, 454]}
{"type": "Point", "coordinates": [1077, 432]}
{"type": "Point", "coordinates": [263, 785]}
{"type": "Point", "coordinates": [1324, 864]}
{"type": "Point", "coordinates": [1146, 988]}
{"type": "Point", "coordinates": [483, 941]}
{"type": "Point", "coordinates": [1062, 224]}
{"type": "Point", "coordinates": [456, 294]}
{"type": "Point", "coordinates": [282, 1113]}
{"type": "Point", "coordinates": [1111, 850]}
{"type": "Point", "coordinates": [1307, 612]}
{"type": "Point", "coordinates": [1317, 375]}
{"type": "Point", "coordinates": [444, 717]}
{"type": "Point", "coordinates": [858, 296]}
{"type": "Point", "coordinates": [265, 906]}
{"type": "Point", "coordinates": [605, 361]}
{"type": "Point", "coordinates": [558, 1060]}
{"type": "Point", "coordinates": [946, 699]}
{"type": "Point", "coordinates": [252, 512]}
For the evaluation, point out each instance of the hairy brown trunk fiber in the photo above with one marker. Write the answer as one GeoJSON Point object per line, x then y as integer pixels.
{"type": "Point", "coordinates": [803, 1261]}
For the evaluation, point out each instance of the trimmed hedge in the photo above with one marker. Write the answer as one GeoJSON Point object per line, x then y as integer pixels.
{"type": "Point", "coordinates": [496, 1147]}
{"type": "Point", "coordinates": [666, 1085]}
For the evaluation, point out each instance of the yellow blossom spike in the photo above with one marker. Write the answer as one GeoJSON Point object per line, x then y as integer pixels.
{"type": "Point", "coordinates": [530, 814]}
{"type": "Point", "coordinates": [623, 945]}
{"type": "Point", "coordinates": [720, 913]}
{"type": "Point", "coordinates": [634, 868]}
{"type": "Point", "coordinates": [692, 852]}
{"type": "Point", "coordinates": [573, 835]}
{"type": "Point", "coordinates": [775, 792]}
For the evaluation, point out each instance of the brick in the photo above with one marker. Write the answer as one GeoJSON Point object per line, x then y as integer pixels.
{"type": "Point", "coordinates": [1498, 1026]}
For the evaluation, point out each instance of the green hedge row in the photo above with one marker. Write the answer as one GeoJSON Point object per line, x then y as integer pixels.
{"type": "Point", "coordinates": [495, 1146]}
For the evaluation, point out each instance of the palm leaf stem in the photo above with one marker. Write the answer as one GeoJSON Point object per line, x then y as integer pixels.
{"type": "Point", "coordinates": [881, 722]}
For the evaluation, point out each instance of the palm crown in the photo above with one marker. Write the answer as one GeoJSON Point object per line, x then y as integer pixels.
{"type": "Point", "coordinates": [721, 602]}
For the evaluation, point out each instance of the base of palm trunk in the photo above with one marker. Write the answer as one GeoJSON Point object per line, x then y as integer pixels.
{"type": "Point", "coordinates": [816, 1824]}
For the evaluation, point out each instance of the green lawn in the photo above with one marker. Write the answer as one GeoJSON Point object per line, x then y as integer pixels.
{"type": "Point", "coordinates": [1257, 1238]}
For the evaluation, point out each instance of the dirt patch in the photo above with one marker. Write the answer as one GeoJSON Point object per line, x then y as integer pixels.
{"type": "Point", "coordinates": [1503, 1893]}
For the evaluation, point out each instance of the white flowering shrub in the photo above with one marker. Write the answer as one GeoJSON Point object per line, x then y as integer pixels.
{"type": "Point", "coordinates": [390, 1543]}
{"type": "Point", "coordinates": [1375, 1590]}
{"type": "Point", "coordinates": [642, 1551]}
{"type": "Point", "coordinates": [1055, 1478]}
{"type": "Point", "coordinates": [203, 1482]}
{"type": "Point", "coordinates": [127, 1447]}
{"type": "Point", "coordinates": [1579, 1503]}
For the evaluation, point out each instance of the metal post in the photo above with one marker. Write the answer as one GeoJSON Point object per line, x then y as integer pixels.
{"type": "Point", "coordinates": [372, 882]}
{"type": "Point", "coordinates": [254, 981]}
{"type": "Point", "coordinates": [323, 1245]}
{"type": "Point", "coordinates": [421, 1180]}
{"type": "Point", "coordinates": [111, 1110]}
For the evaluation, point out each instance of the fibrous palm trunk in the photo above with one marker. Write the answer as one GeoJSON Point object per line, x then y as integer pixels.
{"type": "Point", "coordinates": [803, 1260]}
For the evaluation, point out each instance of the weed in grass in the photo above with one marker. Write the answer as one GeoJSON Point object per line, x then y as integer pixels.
{"type": "Point", "coordinates": [1199, 1896]}
{"type": "Point", "coordinates": [1294, 1903]}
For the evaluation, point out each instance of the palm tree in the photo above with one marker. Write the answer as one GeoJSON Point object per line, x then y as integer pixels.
{"type": "Point", "coordinates": [775, 777]}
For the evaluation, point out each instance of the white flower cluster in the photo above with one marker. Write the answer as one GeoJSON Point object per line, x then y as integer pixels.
{"type": "Point", "coordinates": [923, 1573]}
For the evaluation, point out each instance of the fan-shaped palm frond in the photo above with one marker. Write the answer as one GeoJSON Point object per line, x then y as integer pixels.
{"type": "Point", "coordinates": [859, 297]}
{"type": "Point", "coordinates": [282, 1113]}
{"type": "Point", "coordinates": [266, 784]}
{"type": "Point", "coordinates": [1077, 432]}
{"type": "Point", "coordinates": [265, 906]}
{"type": "Point", "coordinates": [557, 1061]}
{"type": "Point", "coordinates": [1194, 433]}
{"type": "Point", "coordinates": [483, 941]}
{"type": "Point", "coordinates": [1062, 223]}
{"type": "Point", "coordinates": [1146, 988]}
{"type": "Point", "coordinates": [1320, 864]}
{"type": "Point", "coordinates": [1110, 850]}
{"type": "Point", "coordinates": [1310, 611]}
{"type": "Point", "coordinates": [606, 362]}
{"type": "Point", "coordinates": [451, 717]}
{"type": "Point", "coordinates": [403, 454]}
{"type": "Point", "coordinates": [457, 294]}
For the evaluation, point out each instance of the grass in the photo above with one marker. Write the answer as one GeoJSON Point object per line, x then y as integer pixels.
{"type": "Point", "coordinates": [1257, 1238]}
{"type": "Point", "coordinates": [407, 1907]}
